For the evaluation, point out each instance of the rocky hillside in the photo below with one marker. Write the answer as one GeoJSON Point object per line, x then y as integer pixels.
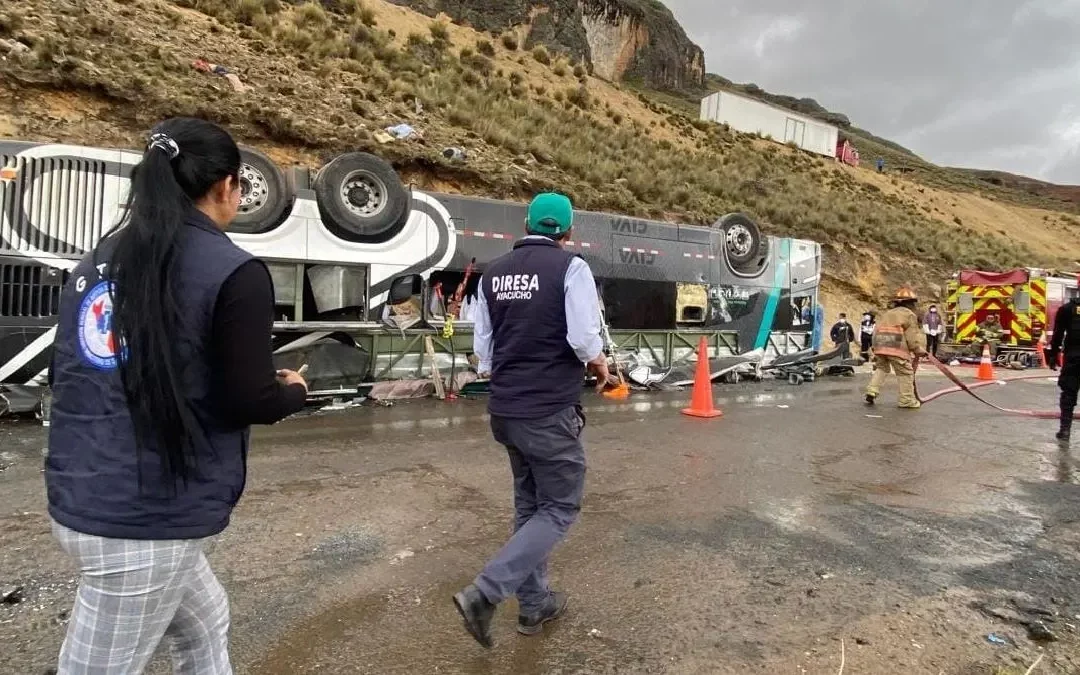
{"type": "Point", "coordinates": [615, 39]}
{"type": "Point", "coordinates": [320, 78]}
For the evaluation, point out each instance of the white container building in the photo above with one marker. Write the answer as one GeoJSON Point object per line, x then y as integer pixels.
{"type": "Point", "coordinates": [784, 126]}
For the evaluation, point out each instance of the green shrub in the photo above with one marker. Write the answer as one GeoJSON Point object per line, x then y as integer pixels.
{"type": "Point", "coordinates": [479, 63]}
{"type": "Point", "coordinates": [579, 97]}
{"type": "Point", "coordinates": [311, 15]}
{"type": "Point", "coordinates": [439, 32]}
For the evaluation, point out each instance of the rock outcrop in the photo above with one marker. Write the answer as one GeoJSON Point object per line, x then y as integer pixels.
{"type": "Point", "coordinates": [618, 39]}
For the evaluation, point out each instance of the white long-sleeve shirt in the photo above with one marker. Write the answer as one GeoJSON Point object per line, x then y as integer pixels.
{"type": "Point", "coordinates": [582, 305]}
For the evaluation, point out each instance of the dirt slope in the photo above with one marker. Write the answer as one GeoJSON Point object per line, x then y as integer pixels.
{"type": "Point", "coordinates": [101, 72]}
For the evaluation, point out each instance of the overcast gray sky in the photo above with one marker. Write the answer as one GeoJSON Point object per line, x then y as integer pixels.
{"type": "Point", "coordinates": [988, 84]}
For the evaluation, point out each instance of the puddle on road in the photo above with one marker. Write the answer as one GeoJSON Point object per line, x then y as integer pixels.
{"type": "Point", "coordinates": [1058, 462]}
{"type": "Point", "coordinates": [296, 652]}
{"type": "Point", "coordinates": [371, 633]}
{"type": "Point", "coordinates": [418, 415]}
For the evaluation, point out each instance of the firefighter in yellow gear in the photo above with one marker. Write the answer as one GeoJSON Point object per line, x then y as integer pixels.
{"type": "Point", "coordinates": [990, 332]}
{"type": "Point", "coordinates": [898, 338]}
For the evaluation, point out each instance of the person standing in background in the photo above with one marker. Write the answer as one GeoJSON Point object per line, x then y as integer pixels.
{"type": "Point", "coordinates": [161, 362]}
{"type": "Point", "coordinates": [866, 334]}
{"type": "Point", "coordinates": [932, 327]}
{"type": "Point", "coordinates": [842, 335]}
{"type": "Point", "coordinates": [1066, 340]}
{"type": "Point", "coordinates": [537, 328]}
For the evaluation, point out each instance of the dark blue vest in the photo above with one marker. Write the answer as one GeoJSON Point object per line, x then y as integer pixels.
{"type": "Point", "coordinates": [534, 371]}
{"type": "Point", "coordinates": [92, 472]}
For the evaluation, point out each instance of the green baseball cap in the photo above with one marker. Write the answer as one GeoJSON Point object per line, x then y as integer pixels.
{"type": "Point", "coordinates": [550, 213]}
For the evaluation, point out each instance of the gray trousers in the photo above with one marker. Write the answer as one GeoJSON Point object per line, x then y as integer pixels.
{"type": "Point", "coordinates": [132, 593]}
{"type": "Point", "coordinates": [548, 462]}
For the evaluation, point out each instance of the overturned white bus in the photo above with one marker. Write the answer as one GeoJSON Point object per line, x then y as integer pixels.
{"type": "Point", "coordinates": [363, 267]}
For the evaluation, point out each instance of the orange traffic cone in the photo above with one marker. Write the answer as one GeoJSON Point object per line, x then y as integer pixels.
{"type": "Point", "coordinates": [701, 403]}
{"type": "Point", "coordinates": [1041, 347]}
{"type": "Point", "coordinates": [986, 368]}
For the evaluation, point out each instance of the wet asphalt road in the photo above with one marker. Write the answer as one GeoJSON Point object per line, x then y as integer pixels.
{"type": "Point", "coordinates": [757, 542]}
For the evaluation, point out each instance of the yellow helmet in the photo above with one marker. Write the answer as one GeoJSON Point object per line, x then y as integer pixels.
{"type": "Point", "coordinates": [905, 293]}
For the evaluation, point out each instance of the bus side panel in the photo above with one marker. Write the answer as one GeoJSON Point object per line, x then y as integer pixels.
{"type": "Point", "coordinates": [485, 228]}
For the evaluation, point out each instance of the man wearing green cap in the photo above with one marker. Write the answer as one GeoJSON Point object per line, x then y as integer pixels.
{"type": "Point", "coordinates": [537, 328]}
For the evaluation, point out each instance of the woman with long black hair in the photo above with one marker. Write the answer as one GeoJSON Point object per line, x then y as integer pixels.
{"type": "Point", "coordinates": [162, 361]}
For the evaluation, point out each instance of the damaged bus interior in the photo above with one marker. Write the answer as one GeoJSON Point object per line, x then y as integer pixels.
{"type": "Point", "coordinates": [374, 280]}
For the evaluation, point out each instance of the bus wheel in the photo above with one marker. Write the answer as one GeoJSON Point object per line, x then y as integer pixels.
{"type": "Point", "coordinates": [361, 197]}
{"type": "Point", "coordinates": [264, 194]}
{"type": "Point", "coordinates": [742, 238]}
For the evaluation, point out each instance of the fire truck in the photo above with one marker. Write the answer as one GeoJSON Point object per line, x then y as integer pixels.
{"type": "Point", "coordinates": [1024, 299]}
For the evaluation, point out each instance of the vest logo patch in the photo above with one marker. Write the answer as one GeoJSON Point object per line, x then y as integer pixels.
{"type": "Point", "coordinates": [96, 340]}
{"type": "Point", "coordinates": [514, 286]}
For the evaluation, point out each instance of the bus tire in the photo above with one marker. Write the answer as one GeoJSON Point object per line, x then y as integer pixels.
{"type": "Point", "coordinates": [264, 194]}
{"type": "Point", "coordinates": [743, 242]}
{"type": "Point", "coordinates": [361, 197]}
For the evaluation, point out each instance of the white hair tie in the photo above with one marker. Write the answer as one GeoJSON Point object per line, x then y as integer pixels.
{"type": "Point", "coordinates": [165, 143]}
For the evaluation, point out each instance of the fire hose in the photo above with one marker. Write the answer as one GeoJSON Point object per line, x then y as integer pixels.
{"type": "Point", "coordinates": [961, 386]}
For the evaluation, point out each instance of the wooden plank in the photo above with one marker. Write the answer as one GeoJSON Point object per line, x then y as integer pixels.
{"type": "Point", "coordinates": [436, 377]}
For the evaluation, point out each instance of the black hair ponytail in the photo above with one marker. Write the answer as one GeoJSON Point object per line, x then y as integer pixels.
{"type": "Point", "coordinates": [184, 159]}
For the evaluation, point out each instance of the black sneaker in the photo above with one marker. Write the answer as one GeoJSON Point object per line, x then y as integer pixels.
{"type": "Point", "coordinates": [477, 613]}
{"type": "Point", "coordinates": [533, 624]}
{"type": "Point", "coordinates": [1063, 433]}
{"type": "Point", "coordinates": [870, 398]}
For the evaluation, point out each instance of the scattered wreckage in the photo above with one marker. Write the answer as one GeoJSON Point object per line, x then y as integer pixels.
{"type": "Point", "coordinates": [754, 366]}
{"type": "Point", "coordinates": [641, 375]}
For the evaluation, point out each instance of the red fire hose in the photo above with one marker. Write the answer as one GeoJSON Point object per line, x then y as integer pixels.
{"type": "Point", "coordinates": [960, 386]}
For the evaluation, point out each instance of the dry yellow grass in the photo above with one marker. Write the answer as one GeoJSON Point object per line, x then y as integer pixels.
{"type": "Point", "coordinates": [1045, 232]}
